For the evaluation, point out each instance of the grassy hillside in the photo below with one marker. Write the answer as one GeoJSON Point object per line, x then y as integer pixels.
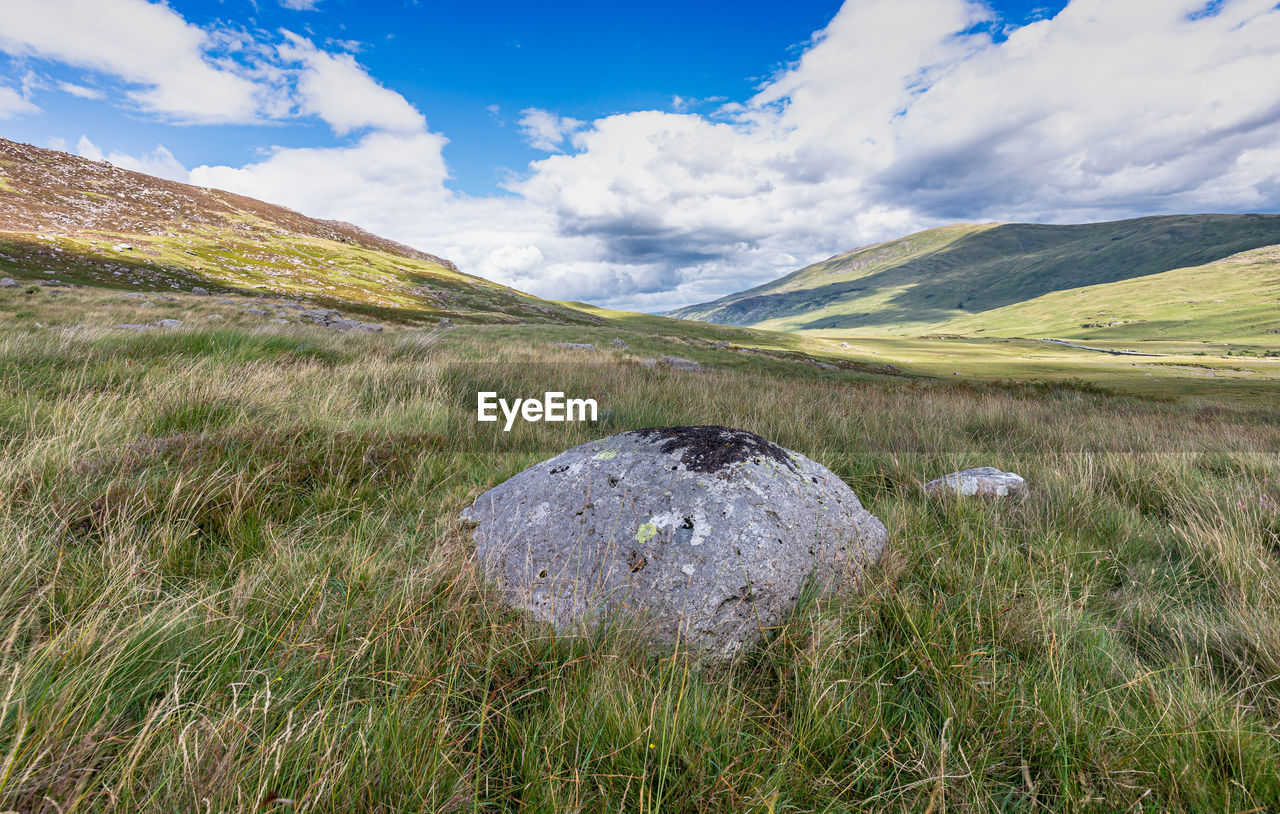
{"type": "Point", "coordinates": [233, 578]}
{"type": "Point", "coordinates": [929, 279]}
{"type": "Point", "coordinates": [85, 222]}
{"type": "Point", "coordinates": [1237, 297]}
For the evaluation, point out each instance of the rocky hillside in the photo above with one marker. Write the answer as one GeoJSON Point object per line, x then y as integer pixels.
{"type": "Point", "coordinates": [928, 279]}
{"type": "Point", "coordinates": [90, 223]}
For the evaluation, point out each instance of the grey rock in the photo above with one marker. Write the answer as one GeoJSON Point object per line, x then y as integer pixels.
{"type": "Point", "coordinates": [706, 534]}
{"type": "Point", "coordinates": [352, 325]}
{"type": "Point", "coordinates": [258, 311]}
{"type": "Point", "coordinates": [619, 343]}
{"type": "Point", "coordinates": [845, 345]}
{"type": "Point", "coordinates": [681, 364]}
{"type": "Point", "coordinates": [982, 481]}
{"type": "Point", "coordinates": [227, 302]}
{"type": "Point", "coordinates": [8, 282]}
{"type": "Point", "coordinates": [321, 316]}
{"type": "Point", "coordinates": [574, 345]}
{"type": "Point", "coordinates": [200, 292]}
{"type": "Point", "coordinates": [122, 247]}
{"type": "Point", "coordinates": [133, 295]}
{"type": "Point", "coordinates": [213, 316]}
{"type": "Point", "coordinates": [170, 323]}
{"type": "Point", "coordinates": [826, 366]}
{"type": "Point", "coordinates": [146, 304]}
{"type": "Point", "coordinates": [445, 322]}
{"type": "Point", "coordinates": [721, 344]}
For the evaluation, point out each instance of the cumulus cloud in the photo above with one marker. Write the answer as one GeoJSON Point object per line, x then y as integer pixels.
{"type": "Point", "coordinates": [145, 44]}
{"type": "Point", "coordinates": [384, 181]}
{"type": "Point", "coordinates": [339, 90]}
{"type": "Point", "coordinates": [900, 117]}
{"type": "Point", "coordinates": [544, 130]}
{"type": "Point", "coordinates": [13, 104]}
{"type": "Point", "coordinates": [193, 75]}
{"type": "Point", "coordinates": [159, 162]}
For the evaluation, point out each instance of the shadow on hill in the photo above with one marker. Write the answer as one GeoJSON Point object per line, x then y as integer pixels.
{"type": "Point", "coordinates": [1016, 262]}
{"type": "Point", "coordinates": [1012, 263]}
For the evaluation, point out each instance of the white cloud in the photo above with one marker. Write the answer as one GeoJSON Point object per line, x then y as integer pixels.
{"type": "Point", "coordinates": [300, 5]}
{"type": "Point", "coordinates": [145, 44]}
{"type": "Point", "coordinates": [339, 90]}
{"type": "Point", "coordinates": [902, 116]}
{"type": "Point", "coordinates": [385, 181]}
{"type": "Point", "coordinates": [160, 162]}
{"type": "Point", "coordinates": [80, 90]}
{"type": "Point", "coordinates": [194, 75]}
{"type": "Point", "coordinates": [543, 130]}
{"type": "Point", "coordinates": [13, 104]}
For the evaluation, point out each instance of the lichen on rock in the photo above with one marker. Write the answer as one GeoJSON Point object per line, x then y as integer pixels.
{"type": "Point", "coordinates": [702, 535]}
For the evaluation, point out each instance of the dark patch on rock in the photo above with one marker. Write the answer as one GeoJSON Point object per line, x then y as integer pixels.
{"type": "Point", "coordinates": [712, 448]}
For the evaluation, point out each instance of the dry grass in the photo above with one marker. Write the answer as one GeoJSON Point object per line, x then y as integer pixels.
{"type": "Point", "coordinates": [232, 578]}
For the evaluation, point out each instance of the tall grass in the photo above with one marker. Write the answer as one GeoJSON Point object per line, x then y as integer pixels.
{"type": "Point", "coordinates": [232, 578]}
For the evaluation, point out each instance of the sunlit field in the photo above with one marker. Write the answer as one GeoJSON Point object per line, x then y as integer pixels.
{"type": "Point", "coordinates": [233, 577]}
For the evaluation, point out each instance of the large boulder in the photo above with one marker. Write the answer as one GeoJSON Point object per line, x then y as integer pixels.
{"type": "Point", "coordinates": [981, 481]}
{"type": "Point", "coordinates": [702, 534]}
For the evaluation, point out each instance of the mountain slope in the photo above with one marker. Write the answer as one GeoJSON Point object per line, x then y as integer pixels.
{"type": "Point", "coordinates": [1236, 297]}
{"type": "Point", "coordinates": [936, 276]}
{"type": "Point", "coordinates": [88, 222]}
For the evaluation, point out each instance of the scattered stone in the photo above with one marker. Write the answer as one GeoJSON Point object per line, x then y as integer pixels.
{"type": "Point", "coordinates": [257, 311]}
{"type": "Point", "coordinates": [146, 304]}
{"type": "Point", "coordinates": [845, 345]}
{"type": "Point", "coordinates": [8, 282]}
{"type": "Point", "coordinates": [122, 247]}
{"type": "Point", "coordinates": [227, 302]}
{"type": "Point", "coordinates": [708, 534]}
{"type": "Point", "coordinates": [574, 345]}
{"type": "Point", "coordinates": [619, 343]}
{"type": "Point", "coordinates": [650, 362]}
{"type": "Point", "coordinates": [321, 316]}
{"type": "Point", "coordinates": [200, 292]}
{"type": "Point", "coordinates": [681, 364]}
{"type": "Point", "coordinates": [826, 366]}
{"type": "Point", "coordinates": [983, 481]}
{"type": "Point", "coordinates": [213, 316]}
{"type": "Point", "coordinates": [133, 295]}
{"type": "Point", "coordinates": [445, 322]}
{"type": "Point", "coordinates": [170, 323]}
{"type": "Point", "coordinates": [721, 344]}
{"type": "Point", "coordinates": [352, 325]}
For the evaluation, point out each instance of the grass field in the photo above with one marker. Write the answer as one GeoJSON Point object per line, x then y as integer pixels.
{"type": "Point", "coordinates": [233, 578]}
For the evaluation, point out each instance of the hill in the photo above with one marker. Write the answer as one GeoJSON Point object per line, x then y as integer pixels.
{"type": "Point", "coordinates": [1237, 297]}
{"type": "Point", "coordinates": [90, 223]}
{"type": "Point", "coordinates": [932, 278]}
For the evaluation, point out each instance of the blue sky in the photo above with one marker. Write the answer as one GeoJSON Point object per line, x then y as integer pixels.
{"type": "Point", "coordinates": [651, 155]}
{"type": "Point", "coordinates": [472, 67]}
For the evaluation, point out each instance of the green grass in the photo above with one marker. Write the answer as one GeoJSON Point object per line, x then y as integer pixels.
{"type": "Point", "coordinates": [232, 577]}
{"type": "Point", "coordinates": [1237, 298]}
{"type": "Point", "coordinates": [976, 276]}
